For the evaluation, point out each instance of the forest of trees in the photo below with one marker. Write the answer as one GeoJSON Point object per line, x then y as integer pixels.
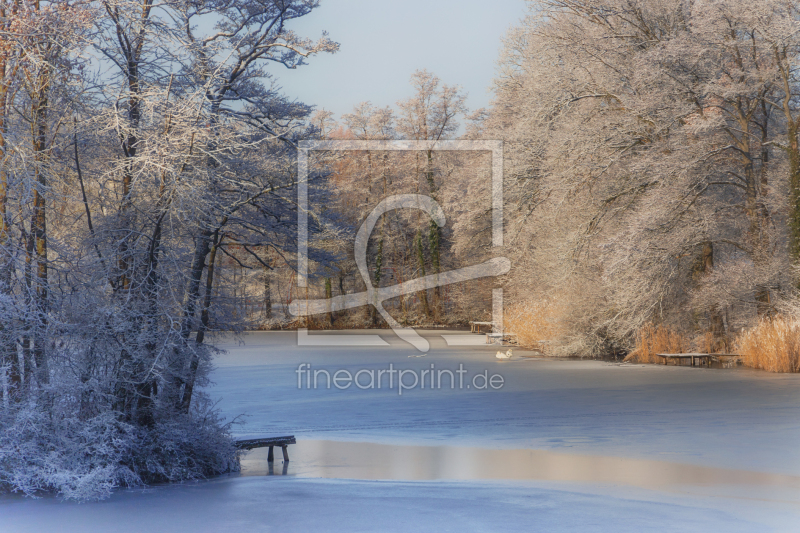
{"type": "Point", "coordinates": [653, 160]}
{"type": "Point", "coordinates": [148, 193]}
{"type": "Point", "coordinates": [651, 175]}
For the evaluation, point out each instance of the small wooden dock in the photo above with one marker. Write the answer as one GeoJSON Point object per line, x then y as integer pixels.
{"type": "Point", "coordinates": [283, 442]}
{"type": "Point", "coordinates": [475, 327]}
{"type": "Point", "coordinates": [510, 338]}
{"type": "Point", "coordinates": [704, 358]}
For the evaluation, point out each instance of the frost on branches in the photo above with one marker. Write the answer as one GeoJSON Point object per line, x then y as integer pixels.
{"type": "Point", "coordinates": [137, 150]}
{"type": "Point", "coordinates": [653, 162]}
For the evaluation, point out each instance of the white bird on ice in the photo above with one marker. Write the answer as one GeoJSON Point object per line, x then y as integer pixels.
{"type": "Point", "coordinates": [501, 355]}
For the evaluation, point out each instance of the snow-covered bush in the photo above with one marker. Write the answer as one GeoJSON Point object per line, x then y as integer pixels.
{"type": "Point", "coordinates": [43, 448]}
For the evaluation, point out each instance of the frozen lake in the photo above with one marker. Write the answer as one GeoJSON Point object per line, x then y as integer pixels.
{"type": "Point", "coordinates": [365, 460]}
{"type": "Point", "coordinates": [558, 446]}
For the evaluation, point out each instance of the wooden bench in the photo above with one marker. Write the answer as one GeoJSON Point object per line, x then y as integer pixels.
{"type": "Point", "coordinates": [475, 327]}
{"type": "Point", "coordinates": [283, 442]}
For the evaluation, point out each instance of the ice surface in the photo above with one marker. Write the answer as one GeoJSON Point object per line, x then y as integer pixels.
{"type": "Point", "coordinates": [737, 418]}
{"type": "Point", "coordinates": [276, 504]}
{"type": "Point", "coordinates": [723, 419]}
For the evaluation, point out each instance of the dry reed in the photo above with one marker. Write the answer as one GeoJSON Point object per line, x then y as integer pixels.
{"type": "Point", "coordinates": [536, 324]}
{"type": "Point", "coordinates": [772, 345]}
{"type": "Point", "coordinates": [652, 339]}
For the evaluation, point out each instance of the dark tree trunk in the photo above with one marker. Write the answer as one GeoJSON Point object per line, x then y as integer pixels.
{"type": "Point", "coordinates": [715, 315]}
{"type": "Point", "coordinates": [194, 363]}
{"type": "Point", "coordinates": [434, 236]}
{"type": "Point", "coordinates": [267, 295]}
{"type": "Point", "coordinates": [423, 294]}
{"type": "Point", "coordinates": [39, 225]}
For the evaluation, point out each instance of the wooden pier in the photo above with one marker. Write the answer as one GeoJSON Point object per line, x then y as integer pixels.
{"type": "Point", "coordinates": [475, 327]}
{"type": "Point", "coordinates": [271, 442]}
{"type": "Point", "coordinates": [702, 357]}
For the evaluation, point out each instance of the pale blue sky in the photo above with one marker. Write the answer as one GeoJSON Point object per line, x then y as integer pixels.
{"type": "Point", "coordinates": [384, 41]}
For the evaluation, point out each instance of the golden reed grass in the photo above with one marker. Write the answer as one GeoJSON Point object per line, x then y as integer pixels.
{"type": "Point", "coordinates": [709, 343]}
{"type": "Point", "coordinates": [652, 339]}
{"type": "Point", "coordinates": [534, 322]}
{"type": "Point", "coordinates": [772, 345]}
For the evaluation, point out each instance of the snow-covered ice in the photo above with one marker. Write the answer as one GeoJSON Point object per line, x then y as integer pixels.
{"type": "Point", "coordinates": [721, 448]}
{"type": "Point", "coordinates": [276, 504]}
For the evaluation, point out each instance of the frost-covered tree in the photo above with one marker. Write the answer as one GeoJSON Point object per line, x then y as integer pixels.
{"type": "Point", "coordinates": [141, 145]}
{"type": "Point", "coordinates": [642, 138]}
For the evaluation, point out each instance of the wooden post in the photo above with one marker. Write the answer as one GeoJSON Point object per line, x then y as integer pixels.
{"type": "Point", "coordinates": [285, 453]}
{"type": "Point", "coordinates": [270, 456]}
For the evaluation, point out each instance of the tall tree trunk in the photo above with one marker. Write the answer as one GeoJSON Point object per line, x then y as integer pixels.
{"type": "Point", "coordinates": [203, 246]}
{"type": "Point", "coordinates": [129, 147]}
{"type": "Point", "coordinates": [434, 236]}
{"type": "Point", "coordinates": [715, 316]}
{"type": "Point", "coordinates": [194, 363]}
{"type": "Point", "coordinates": [343, 312]}
{"type": "Point", "coordinates": [423, 294]}
{"type": "Point", "coordinates": [329, 295]}
{"type": "Point", "coordinates": [267, 294]}
{"type": "Point", "coordinates": [8, 344]}
{"type": "Point", "coordinates": [757, 236]}
{"type": "Point", "coordinates": [786, 69]}
{"type": "Point", "coordinates": [39, 223]}
{"type": "Point", "coordinates": [794, 193]}
{"type": "Point", "coordinates": [377, 276]}
{"type": "Point", "coordinates": [27, 342]}
{"type": "Point", "coordinates": [131, 43]}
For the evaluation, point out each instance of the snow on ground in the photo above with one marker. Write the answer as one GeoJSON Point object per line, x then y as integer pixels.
{"type": "Point", "coordinates": [726, 419]}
